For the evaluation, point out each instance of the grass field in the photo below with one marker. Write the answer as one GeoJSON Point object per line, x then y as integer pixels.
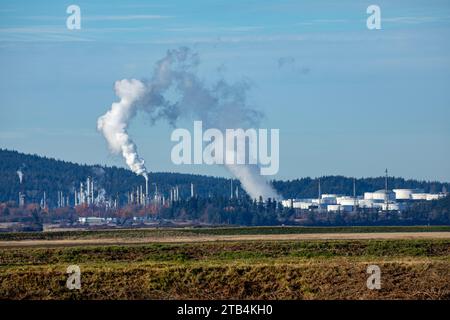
{"type": "Point", "coordinates": [173, 232]}
{"type": "Point", "coordinates": [262, 269]}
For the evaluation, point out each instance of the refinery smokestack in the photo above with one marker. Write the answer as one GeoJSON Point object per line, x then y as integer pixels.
{"type": "Point", "coordinates": [231, 189]}
{"type": "Point", "coordinates": [92, 191]}
{"type": "Point", "coordinates": [146, 189]}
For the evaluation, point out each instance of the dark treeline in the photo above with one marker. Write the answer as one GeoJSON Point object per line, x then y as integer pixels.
{"type": "Point", "coordinates": [50, 175]}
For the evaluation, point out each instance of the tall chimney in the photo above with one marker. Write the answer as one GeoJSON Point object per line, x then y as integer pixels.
{"type": "Point", "coordinates": [146, 189]}
{"type": "Point", "coordinates": [386, 199]}
{"type": "Point", "coordinates": [88, 190]}
{"type": "Point", "coordinates": [320, 195]}
{"type": "Point", "coordinates": [92, 191]}
{"type": "Point", "coordinates": [231, 189]}
{"type": "Point", "coordinates": [81, 193]}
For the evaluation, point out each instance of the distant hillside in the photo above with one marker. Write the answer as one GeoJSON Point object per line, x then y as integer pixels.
{"type": "Point", "coordinates": [44, 174]}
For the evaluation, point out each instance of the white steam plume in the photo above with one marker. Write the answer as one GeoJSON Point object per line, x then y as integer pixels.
{"type": "Point", "coordinates": [221, 106]}
{"type": "Point", "coordinates": [114, 123]}
{"type": "Point", "coordinates": [20, 174]}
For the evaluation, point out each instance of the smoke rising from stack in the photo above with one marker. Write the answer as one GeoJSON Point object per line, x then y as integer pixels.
{"type": "Point", "coordinates": [114, 123]}
{"type": "Point", "coordinates": [220, 106]}
{"type": "Point", "coordinates": [20, 175]}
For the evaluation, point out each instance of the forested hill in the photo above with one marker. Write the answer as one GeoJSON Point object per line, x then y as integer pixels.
{"type": "Point", "coordinates": [44, 174]}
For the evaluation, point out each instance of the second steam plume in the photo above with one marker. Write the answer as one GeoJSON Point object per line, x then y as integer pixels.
{"type": "Point", "coordinates": [221, 106]}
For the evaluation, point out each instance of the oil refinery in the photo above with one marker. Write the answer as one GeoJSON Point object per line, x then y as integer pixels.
{"type": "Point", "coordinates": [379, 200]}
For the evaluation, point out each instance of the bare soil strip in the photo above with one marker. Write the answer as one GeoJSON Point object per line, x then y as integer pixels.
{"type": "Point", "coordinates": [212, 238]}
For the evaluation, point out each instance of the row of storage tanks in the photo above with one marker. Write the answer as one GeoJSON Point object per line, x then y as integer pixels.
{"type": "Point", "coordinates": [395, 200]}
{"type": "Point", "coordinates": [403, 195]}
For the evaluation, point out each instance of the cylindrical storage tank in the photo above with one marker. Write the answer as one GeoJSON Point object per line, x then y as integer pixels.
{"type": "Point", "coordinates": [419, 196]}
{"type": "Point", "coordinates": [390, 207]}
{"type": "Point", "coordinates": [302, 205]}
{"type": "Point", "coordinates": [381, 195]}
{"type": "Point", "coordinates": [368, 195]}
{"type": "Point", "coordinates": [403, 194]}
{"type": "Point", "coordinates": [347, 202]}
{"type": "Point", "coordinates": [333, 207]}
{"type": "Point", "coordinates": [297, 205]}
{"type": "Point", "coordinates": [433, 197]}
{"type": "Point", "coordinates": [365, 203]}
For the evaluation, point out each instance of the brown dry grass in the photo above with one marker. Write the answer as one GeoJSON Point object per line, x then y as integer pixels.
{"type": "Point", "coordinates": [215, 238]}
{"type": "Point", "coordinates": [306, 280]}
{"type": "Point", "coordinates": [302, 266]}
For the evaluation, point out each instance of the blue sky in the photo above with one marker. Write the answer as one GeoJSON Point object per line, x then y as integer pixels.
{"type": "Point", "coordinates": [349, 101]}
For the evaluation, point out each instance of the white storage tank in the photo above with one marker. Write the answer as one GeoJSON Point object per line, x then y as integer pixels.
{"type": "Point", "coordinates": [325, 195]}
{"type": "Point", "coordinates": [403, 194]}
{"type": "Point", "coordinates": [302, 205]}
{"type": "Point", "coordinates": [390, 207]}
{"type": "Point", "coordinates": [365, 203]}
{"type": "Point", "coordinates": [433, 196]}
{"type": "Point", "coordinates": [328, 199]}
{"type": "Point", "coordinates": [381, 195]}
{"type": "Point", "coordinates": [333, 208]}
{"type": "Point", "coordinates": [419, 196]}
{"type": "Point", "coordinates": [368, 195]}
{"type": "Point", "coordinates": [286, 203]}
{"type": "Point", "coordinates": [346, 201]}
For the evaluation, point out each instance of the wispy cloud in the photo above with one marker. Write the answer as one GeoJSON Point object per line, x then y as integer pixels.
{"type": "Point", "coordinates": [85, 17]}
{"type": "Point", "coordinates": [9, 135]}
{"type": "Point", "coordinates": [27, 132]}
{"type": "Point", "coordinates": [229, 39]}
{"type": "Point", "coordinates": [215, 29]}
{"type": "Point", "coordinates": [39, 33]}
{"type": "Point", "coordinates": [34, 30]}
{"type": "Point", "coordinates": [414, 20]}
{"type": "Point", "coordinates": [126, 17]}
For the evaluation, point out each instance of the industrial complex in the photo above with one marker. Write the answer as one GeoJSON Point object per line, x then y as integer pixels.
{"type": "Point", "coordinates": [379, 200]}
{"type": "Point", "coordinates": [100, 208]}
